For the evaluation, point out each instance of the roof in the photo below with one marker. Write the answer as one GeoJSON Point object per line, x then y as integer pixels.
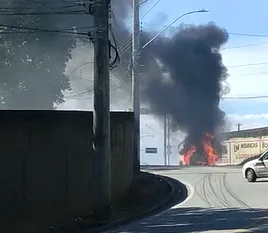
{"type": "Point", "coordinates": [256, 132]}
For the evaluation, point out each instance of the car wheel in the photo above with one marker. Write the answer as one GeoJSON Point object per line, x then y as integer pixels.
{"type": "Point", "coordinates": [251, 175]}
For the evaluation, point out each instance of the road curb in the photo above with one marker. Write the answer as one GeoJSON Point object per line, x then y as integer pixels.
{"type": "Point", "coordinates": [160, 207]}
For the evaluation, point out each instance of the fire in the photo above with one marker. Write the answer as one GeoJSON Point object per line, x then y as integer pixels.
{"type": "Point", "coordinates": [187, 156]}
{"type": "Point", "coordinates": [208, 151]}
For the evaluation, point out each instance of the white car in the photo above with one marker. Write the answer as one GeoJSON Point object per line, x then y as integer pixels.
{"type": "Point", "coordinates": [256, 168]}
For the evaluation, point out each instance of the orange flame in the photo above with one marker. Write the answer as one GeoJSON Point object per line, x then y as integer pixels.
{"type": "Point", "coordinates": [209, 151]}
{"type": "Point", "coordinates": [187, 156]}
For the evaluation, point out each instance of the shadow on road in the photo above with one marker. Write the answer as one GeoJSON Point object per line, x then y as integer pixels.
{"type": "Point", "coordinates": [261, 181]}
{"type": "Point", "coordinates": [159, 167]}
{"type": "Point", "coordinates": [201, 220]}
{"type": "Point", "coordinates": [176, 167]}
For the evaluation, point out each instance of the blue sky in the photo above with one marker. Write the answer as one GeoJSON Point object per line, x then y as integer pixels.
{"type": "Point", "coordinates": [237, 16]}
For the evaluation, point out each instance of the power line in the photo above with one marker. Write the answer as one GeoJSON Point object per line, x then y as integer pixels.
{"type": "Point", "coordinates": [245, 97]}
{"type": "Point", "coordinates": [31, 29]}
{"type": "Point", "coordinates": [231, 33]}
{"type": "Point", "coordinates": [150, 9]}
{"type": "Point", "coordinates": [245, 74]}
{"type": "Point", "coordinates": [45, 8]}
{"type": "Point", "coordinates": [249, 64]}
{"type": "Point", "coordinates": [131, 16]}
{"type": "Point", "coordinates": [127, 43]}
{"type": "Point", "coordinates": [117, 57]}
{"type": "Point", "coordinates": [248, 34]}
{"type": "Point", "coordinates": [40, 7]}
{"type": "Point", "coordinates": [82, 92]}
{"type": "Point", "coordinates": [243, 46]}
{"type": "Point", "coordinates": [77, 12]}
{"type": "Point", "coordinates": [41, 2]}
{"type": "Point", "coordinates": [76, 68]}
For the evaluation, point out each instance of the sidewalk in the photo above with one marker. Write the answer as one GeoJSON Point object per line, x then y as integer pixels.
{"type": "Point", "coordinates": [149, 194]}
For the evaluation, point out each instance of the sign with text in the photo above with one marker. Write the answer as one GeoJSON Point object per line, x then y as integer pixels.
{"type": "Point", "coordinates": [151, 150]}
{"type": "Point", "coordinates": [243, 148]}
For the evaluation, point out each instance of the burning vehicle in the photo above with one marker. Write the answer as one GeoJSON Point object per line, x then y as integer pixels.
{"type": "Point", "coordinates": [204, 154]}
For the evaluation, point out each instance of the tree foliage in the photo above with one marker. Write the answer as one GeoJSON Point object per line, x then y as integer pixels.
{"type": "Point", "coordinates": [33, 54]}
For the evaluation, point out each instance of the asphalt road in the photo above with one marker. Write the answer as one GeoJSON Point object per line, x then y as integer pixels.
{"type": "Point", "coordinates": [219, 201]}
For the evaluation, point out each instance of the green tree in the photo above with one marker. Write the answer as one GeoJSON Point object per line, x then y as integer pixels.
{"type": "Point", "coordinates": [33, 54]}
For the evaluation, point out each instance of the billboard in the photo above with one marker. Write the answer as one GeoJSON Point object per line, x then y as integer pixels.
{"type": "Point", "coordinates": [243, 148]}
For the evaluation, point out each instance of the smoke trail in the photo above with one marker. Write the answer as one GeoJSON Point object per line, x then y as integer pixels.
{"type": "Point", "coordinates": [184, 78]}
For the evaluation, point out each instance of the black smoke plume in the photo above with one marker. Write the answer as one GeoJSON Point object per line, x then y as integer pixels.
{"type": "Point", "coordinates": [184, 78]}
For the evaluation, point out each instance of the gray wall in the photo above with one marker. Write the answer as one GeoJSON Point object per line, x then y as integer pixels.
{"type": "Point", "coordinates": [45, 165]}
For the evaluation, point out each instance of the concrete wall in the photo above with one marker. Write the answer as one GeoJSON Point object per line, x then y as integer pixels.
{"type": "Point", "coordinates": [46, 162]}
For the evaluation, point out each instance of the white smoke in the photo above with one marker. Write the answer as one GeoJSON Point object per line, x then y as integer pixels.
{"type": "Point", "coordinates": [80, 70]}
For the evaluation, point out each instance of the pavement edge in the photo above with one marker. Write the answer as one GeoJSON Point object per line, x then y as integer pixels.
{"type": "Point", "coordinates": [160, 207]}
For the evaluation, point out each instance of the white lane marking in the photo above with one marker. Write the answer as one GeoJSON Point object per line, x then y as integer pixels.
{"type": "Point", "coordinates": [190, 189]}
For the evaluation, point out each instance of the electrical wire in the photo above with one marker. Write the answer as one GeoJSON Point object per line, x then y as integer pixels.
{"type": "Point", "coordinates": [243, 46]}
{"type": "Point", "coordinates": [113, 63]}
{"type": "Point", "coordinates": [230, 33]}
{"type": "Point", "coordinates": [249, 64]}
{"type": "Point", "coordinates": [125, 46]}
{"type": "Point", "coordinates": [77, 12]}
{"type": "Point", "coordinates": [47, 9]}
{"type": "Point", "coordinates": [245, 97]}
{"type": "Point", "coordinates": [42, 7]}
{"type": "Point", "coordinates": [245, 74]}
{"type": "Point", "coordinates": [82, 37]}
{"type": "Point", "coordinates": [114, 47]}
{"type": "Point", "coordinates": [150, 9]}
{"type": "Point", "coordinates": [31, 30]}
{"type": "Point", "coordinates": [129, 18]}
{"type": "Point", "coordinates": [116, 59]}
{"type": "Point", "coordinates": [83, 64]}
{"type": "Point", "coordinates": [23, 29]}
{"type": "Point", "coordinates": [248, 34]}
{"type": "Point", "coordinates": [75, 94]}
{"type": "Point", "coordinates": [41, 2]}
{"type": "Point", "coordinates": [242, 65]}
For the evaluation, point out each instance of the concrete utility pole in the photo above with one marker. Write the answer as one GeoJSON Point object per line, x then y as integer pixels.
{"type": "Point", "coordinates": [168, 139]}
{"type": "Point", "coordinates": [136, 82]}
{"type": "Point", "coordinates": [101, 112]}
{"type": "Point", "coordinates": [165, 140]}
{"type": "Point", "coordinates": [239, 126]}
